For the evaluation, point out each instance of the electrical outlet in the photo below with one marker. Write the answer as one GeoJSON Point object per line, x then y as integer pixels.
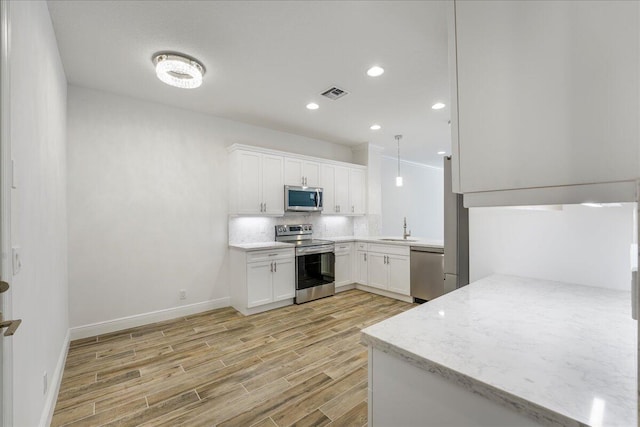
{"type": "Point", "coordinates": [45, 383]}
{"type": "Point", "coordinates": [16, 260]}
{"type": "Point", "coordinates": [183, 294]}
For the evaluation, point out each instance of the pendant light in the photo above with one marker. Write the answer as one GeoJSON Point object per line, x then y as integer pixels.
{"type": "Point", "coordinates": [398, 178]}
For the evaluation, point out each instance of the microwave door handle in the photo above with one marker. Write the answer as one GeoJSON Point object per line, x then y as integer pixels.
{"type": "Point", "coordinates": [318, 199]}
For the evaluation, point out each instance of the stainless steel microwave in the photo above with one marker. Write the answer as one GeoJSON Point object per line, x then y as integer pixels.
{"type": "Point", "coordinates": [302, 199]}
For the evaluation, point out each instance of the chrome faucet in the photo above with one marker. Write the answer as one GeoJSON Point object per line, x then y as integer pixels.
{"type": "Point", "coordinates": [405, 234]}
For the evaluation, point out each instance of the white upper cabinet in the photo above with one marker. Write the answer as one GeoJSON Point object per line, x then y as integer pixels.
{"type": "Point", "coordinates": [258, 177]}
{"type": "Point", "coordinates": [357, 191]}
{"type": "Point", "coordinates": [301, 172]}
{"type": "Point", "coordinates": [257, 183]}
{"type": "Point", "coordinates": [544, 93]}
{"type": "Point", "coordinates": [335, 182]}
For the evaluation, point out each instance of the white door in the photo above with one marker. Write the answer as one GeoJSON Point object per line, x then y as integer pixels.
{"type": "Point", "coordinates": [399, 272]}
{"type": "Point", "coordinates": [259, 283]}
{"type": "Point", "coordinates": [357, 191]}
{"type": "Point", "coordinates": [343, 268]}
{"type": "Point", "coordinates": [273, 184]}
{"type": "Point", "coordinates": [327, 182]}
{"type": "Point", "coordinates": [284, 285]}
{"type": "Point", "coordinates": [249, 191]}
{"type": "Point", "coordinates": [342, 190]}
{"type": "Point", "coordinates": [377, 271]}
{"type": "Point", "coordinates": [311, 174]}
{"type": "Point", "coordinates": [293, 174]}
{"type": "Point", "coordinates": [362, 273]}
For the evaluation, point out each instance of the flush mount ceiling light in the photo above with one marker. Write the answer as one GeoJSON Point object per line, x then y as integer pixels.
{"type": "Point", "coordinates": [179, 71]}
{"type": "Point", "coordinates": [312, 106]}
{"type": "Point", "coordinates": [438, 106]}
{"type": "Point", "coordinates": [375, 71]}
{"type": "Point", "coordinates": [398, 178]}
{"type": "Point", "coordinates": [375, 127]}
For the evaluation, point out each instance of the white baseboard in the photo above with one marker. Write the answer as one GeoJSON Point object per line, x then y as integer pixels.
{"type": "Point", "coordinates": [384, 293]}
{"type": "Point", "coordinates": [345, 287]}
{"type": "Point", "coordinates": [114, 325]}
{"type": "Point", "coordinates": [54, 384]}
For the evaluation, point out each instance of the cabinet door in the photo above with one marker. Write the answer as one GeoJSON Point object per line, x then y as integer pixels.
{"type": "Point", "coordinates": [259, 283]}
{"type": "Point", "coordinates": [377, 270]}
{"type": "Point", "coordinates": [249, 182]}
{"type": "Point", "coordinates": [293, 174]}
{"type": "Point", "coordinates": [343, 268]}
{"type": "Point", "coordinates": [284, 285]}
{"type": "Point", "coordinates": [399, 273]}
{"type": "Point", "coordinates": [327, 182]}
{"type": "Point", "coordinates": [357, 191]}
{"type": "Point", "coordinates": [273, 184]}
{"type": "Point", "coordinates": [341, 191]}
{"type": "Point", "coordinates": [547, 93]}
{"type": "Point", "coordinates": [311, 173]}
{"type": "Point", "coordinates": [361, 268]}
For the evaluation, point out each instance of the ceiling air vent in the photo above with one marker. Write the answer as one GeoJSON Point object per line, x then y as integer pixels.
{"type": "Point", "coordinates": [334, 93]}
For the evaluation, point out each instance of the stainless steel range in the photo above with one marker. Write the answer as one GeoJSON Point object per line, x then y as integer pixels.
{"type": "Point", "coordinates": [315, 262]}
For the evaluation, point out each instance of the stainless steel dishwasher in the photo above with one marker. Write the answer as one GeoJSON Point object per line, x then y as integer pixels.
{"type": "Point", "coordinates": [427, 273]}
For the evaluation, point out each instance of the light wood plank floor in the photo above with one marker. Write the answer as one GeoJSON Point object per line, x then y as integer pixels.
{"type": "Point", "coordinates": [301, 365]}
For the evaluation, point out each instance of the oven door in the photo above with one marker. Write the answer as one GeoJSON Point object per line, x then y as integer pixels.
{"type": "Point", "coordinates": [315, 269]}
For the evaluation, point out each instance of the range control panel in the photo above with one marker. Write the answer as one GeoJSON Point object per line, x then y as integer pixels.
{"type": "Point", "coordinates": [294, 230]}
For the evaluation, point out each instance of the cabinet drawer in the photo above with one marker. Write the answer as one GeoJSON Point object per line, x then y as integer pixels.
{"type": "Point", "coordinates": [389, 249]}
{"type": "Point", "coordinates": [343, 247]}
{"type": "Point", "coordinates": [273, 254]}
{"type": "Point", "coordinates": [361, 246]}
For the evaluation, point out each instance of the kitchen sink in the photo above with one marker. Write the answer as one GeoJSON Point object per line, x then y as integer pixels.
{"type": "Point", "coordinates": [400, 240]}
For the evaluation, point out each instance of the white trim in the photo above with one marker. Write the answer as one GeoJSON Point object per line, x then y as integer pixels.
{"type": "Point", "coordinates": [6, 359]}
{"type": "Point", "coordinates": [384, 293]}
{"type": "Point", "coordinates": [410, 163]}
{"type": "Point", "coordinates": [606, 192]}
{"type": "Point", "coordinates": [345, 287]}
{"type": "Point", "coordinates": [114, 325]}
{"type": "Point", "coordinates": [234, 147]}
{"type": "Point", "coordinates": [54, 384]}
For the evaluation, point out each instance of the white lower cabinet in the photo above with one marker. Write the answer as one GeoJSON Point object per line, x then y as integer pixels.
{"type": "Point", "coordinates": [388, 268]}
{"type": "Point", "coordinates": [344, 264]}
{"type": "Point", "coordinates": [262, 280]}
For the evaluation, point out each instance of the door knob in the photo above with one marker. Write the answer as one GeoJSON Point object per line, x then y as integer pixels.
{"type": "Point", "coordinates": [4, 287]}
{"type": "Point", "coordinates": [11, 326]}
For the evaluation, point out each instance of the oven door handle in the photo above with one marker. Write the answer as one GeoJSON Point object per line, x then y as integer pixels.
{"type": "Point", "coordinates": [317, 250]}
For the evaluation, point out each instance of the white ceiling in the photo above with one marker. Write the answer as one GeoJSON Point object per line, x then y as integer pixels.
{"type": "Point", "coordinates": [266, 60]}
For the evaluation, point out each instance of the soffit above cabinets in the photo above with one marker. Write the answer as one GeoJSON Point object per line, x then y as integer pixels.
{"type": "Point", "coordinates": [266, 60]}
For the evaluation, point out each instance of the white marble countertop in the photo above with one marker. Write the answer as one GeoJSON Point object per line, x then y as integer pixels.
{"type": "Point", "coordinates": [378, 239]}
{"type": "Point", "coordinates": [261, 246]}
{"type": "Point", "coordinates": [562, 354]}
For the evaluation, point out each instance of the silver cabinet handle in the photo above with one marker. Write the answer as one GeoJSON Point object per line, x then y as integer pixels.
{"type": "Point", "coordinates": [260, 207]}
{"type": "Point", "coordinates": [353, 208]}
{"type": "Point", "coordinates": [365, 257]}
{"type": "Point", "coordinates": [272, 266]}
{"type": "Point", "coordinates": [265, 206]}
{"type": "Point", "coordinates": [275, 267]}
{"type": "Point", "coordinates": [302, 179]}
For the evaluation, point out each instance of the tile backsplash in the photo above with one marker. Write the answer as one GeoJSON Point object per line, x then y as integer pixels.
{"type": "Point", "coordinates": [262, 229]}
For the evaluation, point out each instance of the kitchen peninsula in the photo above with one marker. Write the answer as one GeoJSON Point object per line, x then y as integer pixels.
{"type": "Point", "coordinates": [506, 351]}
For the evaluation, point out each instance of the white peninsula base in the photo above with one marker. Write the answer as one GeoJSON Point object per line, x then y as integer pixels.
{"type": "Point", "coordinates": [402, 395]}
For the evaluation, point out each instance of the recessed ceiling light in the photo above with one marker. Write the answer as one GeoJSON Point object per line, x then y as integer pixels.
{"type": "Point", "coordinates": [375, 71]}
{"type": "Point", "coordinates": [438, 106]}
{"type": "Point", "coordinates": [375, 127]}
{"type": "Point", "coordinates": [592, 205]}
{"type": "Point", "coordinates": [179, 71]}
{"type": "Point", "coordinates": [442, 152]}
{"type": "Point", "coordinates": [312, 106]}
